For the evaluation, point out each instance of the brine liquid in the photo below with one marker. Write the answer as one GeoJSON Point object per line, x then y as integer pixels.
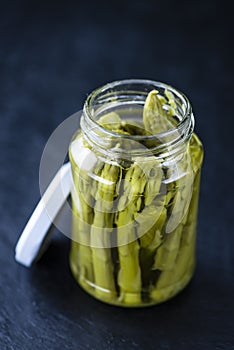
{"type": "Point", "coordinates": [158, 259]}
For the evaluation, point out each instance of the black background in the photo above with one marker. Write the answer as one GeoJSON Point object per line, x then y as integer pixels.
{"type": "Point", "coordinates": [52, 54]}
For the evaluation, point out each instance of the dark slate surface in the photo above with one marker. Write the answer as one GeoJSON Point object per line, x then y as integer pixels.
{"type": "Point", "coordinates": [52, 53]}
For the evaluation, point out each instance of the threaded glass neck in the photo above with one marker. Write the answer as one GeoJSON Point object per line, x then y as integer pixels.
{"type": "Point", "coordinates": [127, 98]}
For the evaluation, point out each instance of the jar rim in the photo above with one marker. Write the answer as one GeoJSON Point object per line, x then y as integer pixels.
{"type": "Point", "coordinates": [185, 124]}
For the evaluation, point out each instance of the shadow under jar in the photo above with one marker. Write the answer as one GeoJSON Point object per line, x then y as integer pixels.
{"type": "Point", "coordinates": [136, 176]}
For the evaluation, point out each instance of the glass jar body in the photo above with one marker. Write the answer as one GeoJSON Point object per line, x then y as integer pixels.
{"type": "Point", "coordinates": [134, 216]}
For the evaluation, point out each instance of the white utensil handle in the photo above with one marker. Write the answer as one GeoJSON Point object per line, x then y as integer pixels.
{"type": "Point", "coordinates": [43, 216]}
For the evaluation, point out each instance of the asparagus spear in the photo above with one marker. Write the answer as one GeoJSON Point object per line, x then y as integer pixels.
{"type": "Point", "coordinates": [151, 217]}
{"type": "Point", "coordinates": [196, 152]}
{"type": "Point", "coordinates": [155, 120]}
{"type": "Point", "coordinates": [183, 267]}
{"type": "Point", "coordinates": [129, 275]}
{"type": "Point", "coordinates": [184, 262]}
{"type": "Point", "coordinates": [111, 121]}
{"type": "Point", "coordinates": [134, 127]}
{"type": "Point", "coordinates": [151, 240]}
{"type": "Point", "coordinates": [167, 251]}
{"type": "Point", "coordinates": [81, 255]}
{"type": "Point", "coordinates": [187, 188]}
{"type": "Point", "coordinates": [101, 232]}
{"type": "Point", "coordinates": [177, 214]}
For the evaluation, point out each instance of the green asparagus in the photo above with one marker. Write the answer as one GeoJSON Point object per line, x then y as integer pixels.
{"type": "Point", "coordinates": [81, 254]}
{"type": "Point", "coordinates": [101, 232]}
{"type": "Point", "coordinates": [129, 275]}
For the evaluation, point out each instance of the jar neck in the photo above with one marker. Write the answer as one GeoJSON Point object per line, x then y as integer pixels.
{"type": "Point", "coordinates": [129, 96]}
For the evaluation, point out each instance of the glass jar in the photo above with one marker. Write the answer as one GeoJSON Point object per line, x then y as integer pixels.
{"type": "Point", "coordinates": [135, 194]}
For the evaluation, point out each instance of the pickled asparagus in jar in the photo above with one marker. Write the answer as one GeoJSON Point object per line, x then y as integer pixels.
{"type": "Point", "coordinates": [134, 217]}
